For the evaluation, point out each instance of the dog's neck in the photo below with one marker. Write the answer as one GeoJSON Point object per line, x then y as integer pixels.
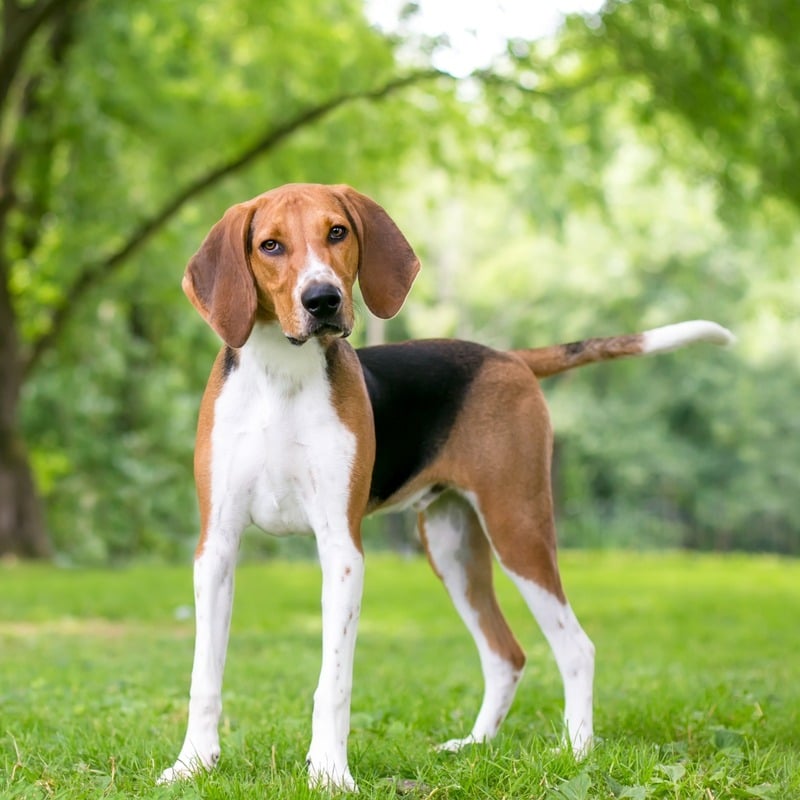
{"type": "Point", "coordinates": [268, 350]}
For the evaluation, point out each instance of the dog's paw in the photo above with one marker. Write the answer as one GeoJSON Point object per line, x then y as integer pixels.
{"type": "Point", "coordinates": [454, 745]}
{"type": "Point", "coordinates": [173, 774]}
{"type": "Point", "coordinates": [581, 746]}
{"type": "Point", "coordinates": [330, 778]}
{"type": "Point", "coordinates": [188, 765]}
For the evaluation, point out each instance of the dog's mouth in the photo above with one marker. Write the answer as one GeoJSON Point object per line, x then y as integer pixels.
{"type": "Point", "coordinates": [320, 330]}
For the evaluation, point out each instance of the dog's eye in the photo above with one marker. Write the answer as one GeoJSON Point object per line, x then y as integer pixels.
{"type": "Point", "coordinates": [271, 247]}
{"type": "Point", "coordinates": [337, 233]}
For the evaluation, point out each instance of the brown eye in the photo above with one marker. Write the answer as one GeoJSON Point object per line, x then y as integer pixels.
{"type": "Point", "coordinates": [271, 247]}
{"type": "Point", "coordinates": [337, 233]}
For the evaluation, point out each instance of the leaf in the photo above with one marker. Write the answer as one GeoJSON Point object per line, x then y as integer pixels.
{"type": "Point", "coordinates": [615, 787]}
{"type": "Point", "coordinates": [621, 791]}
{"type": "Point", "coordinates": [727, 739]}
{"type": "Point", "coordinates": [634, 792]}
{"type": "Point", "coordinates": [765, 791]}
{"type": "Point", "coordinates": [576, 788]}
{"type": "Point", "coordinates": [673, 771]}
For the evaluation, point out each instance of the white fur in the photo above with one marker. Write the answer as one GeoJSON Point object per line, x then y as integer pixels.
{"type": "Point", "coordinates": [446, 525]}
{"type": "Point", "coordinates": [281, 458]}
{"type": "Point", "coordinates": [671, 337]}
{"type": "Point", "coordinates": [315, 270]}
{"type": "Point", "coordinates": [281, 455]}
{"type": "Point", "coordinates": [574, 654]}
{"type": "Point", "coordinates": [572, 649]}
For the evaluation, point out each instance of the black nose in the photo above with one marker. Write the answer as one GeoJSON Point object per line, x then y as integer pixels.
{"type": "Point", "coordinates": [322, 300]}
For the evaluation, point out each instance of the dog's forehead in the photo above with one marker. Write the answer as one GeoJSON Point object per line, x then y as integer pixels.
{"type": "Point", "coordinates": [298, 207]}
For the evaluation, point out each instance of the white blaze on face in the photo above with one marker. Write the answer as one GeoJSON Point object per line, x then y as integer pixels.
{"type": "Point", "coordinates": [315, 270]}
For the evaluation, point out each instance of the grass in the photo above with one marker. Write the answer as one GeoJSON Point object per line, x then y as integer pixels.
{"type": "Point", "coordinates": [697, 689]}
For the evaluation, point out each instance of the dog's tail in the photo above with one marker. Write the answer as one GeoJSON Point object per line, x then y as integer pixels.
{"type": "Point", "coordinates": [546, 361]}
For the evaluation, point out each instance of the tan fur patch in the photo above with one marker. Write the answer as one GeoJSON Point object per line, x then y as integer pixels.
{"type": "Point", "coordinates": [498, 453]}
{"type": "Point", "coordinates": [350, 399]}
{"type": "Point", "coordinates": [545, 361]}
{"type": "Point", "coordinates": [202, 450]}
{"type": "Point", "coordinates": [476, 558]}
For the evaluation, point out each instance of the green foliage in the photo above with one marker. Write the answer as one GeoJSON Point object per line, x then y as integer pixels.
{"type": "Point", "coordinates": [152, 98]}
{"type": "Point", "coordinates": [696, 448]}
{"type": "Point", "coordinates": [726, 68]}
{"type": "Point", "coordinates": [573, 190]}
{"type": "Point", "coordinates": [695, 683]}
{"type": "Point", "coordinates": [154, 95]}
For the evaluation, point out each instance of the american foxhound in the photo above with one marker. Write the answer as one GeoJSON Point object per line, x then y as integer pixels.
{"type": "Point", "coordinates": [299, 432]}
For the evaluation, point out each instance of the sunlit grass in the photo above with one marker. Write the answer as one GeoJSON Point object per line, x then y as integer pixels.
{"type": "Point", "coordinates": [697, 690]}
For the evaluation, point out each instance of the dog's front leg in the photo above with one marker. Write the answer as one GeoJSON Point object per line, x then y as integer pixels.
{"type": "Point", "coordinates": [213, 593]}
{"type": "Point", "coordinates": [342, 565]}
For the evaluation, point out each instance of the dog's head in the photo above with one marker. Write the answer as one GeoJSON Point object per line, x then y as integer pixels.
{"type": "Point", "coordinates": [291, 256]}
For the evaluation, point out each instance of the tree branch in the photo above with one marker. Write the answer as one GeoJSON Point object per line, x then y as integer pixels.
{"type": "Point", "coordinates": [30, 111]}
{"type": "Point", "coordinates": [493, 79]}
{"type": "Point", "coordinates": [95, 273]}
{"type": "Point", "coordinates": [20, 25]}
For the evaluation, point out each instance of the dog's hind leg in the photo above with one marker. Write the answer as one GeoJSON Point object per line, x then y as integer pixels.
{"type": "Point", "coordinates": [500, 457]}
{"type": "Point", "coordinates": [460, 555]}
{"type": "Point", "coordinates": [523, 538]}
{"type": "Point", "coordinates": [574, 654]}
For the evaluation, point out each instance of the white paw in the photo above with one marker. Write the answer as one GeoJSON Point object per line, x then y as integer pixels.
{"type": "Point", "coordinates": [454, 745]}
{"type": "Point", "coordinates": [188, 766]}
{"type": "Point", "coordinates": [580, 746]}
{"type": "Point", "coordinates": [331, 778]}
{"type": "Point", "coordinates": [178, 772]}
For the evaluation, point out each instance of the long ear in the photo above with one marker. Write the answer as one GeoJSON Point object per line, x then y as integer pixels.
{"type": "Point", "coordinates": [218, 279]}
{"type": "Point", "coordinates": [387, 264]}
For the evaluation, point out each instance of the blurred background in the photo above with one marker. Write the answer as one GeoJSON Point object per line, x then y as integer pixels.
{"type": "Point", "coordinates": [564, 170]}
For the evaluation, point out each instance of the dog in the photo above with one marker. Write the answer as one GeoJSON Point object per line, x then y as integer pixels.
{"type": "Point", "coordinates": [299, 432]}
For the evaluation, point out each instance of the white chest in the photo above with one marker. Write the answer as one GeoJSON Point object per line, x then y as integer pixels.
{"type": "Point", "coordinates": [281, 457]}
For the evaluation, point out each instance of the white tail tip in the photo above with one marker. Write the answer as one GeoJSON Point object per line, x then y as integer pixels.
{"type": "Point", "coordinates": [671, 337]}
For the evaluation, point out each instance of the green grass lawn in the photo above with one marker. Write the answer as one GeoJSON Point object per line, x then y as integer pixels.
{"type": "Point", "coordinates": [697, 687]}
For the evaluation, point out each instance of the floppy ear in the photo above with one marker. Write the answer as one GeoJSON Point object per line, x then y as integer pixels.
{"type": "Point", "coordinates": [387, 264]}
{"type": "Point", "coordinates": [218, 279]}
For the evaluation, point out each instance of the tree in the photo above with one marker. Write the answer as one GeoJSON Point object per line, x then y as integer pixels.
{"type": "Point", "coordinates": [39, 34]}
{"type": "Point", "coordinates": [128, 128]}
{"type": "Point", "coordinates": [101, 150]}
{"type": "Point", "coordinates": [120, 119]}
{"type": "Point", "coordinates": [727, 69]}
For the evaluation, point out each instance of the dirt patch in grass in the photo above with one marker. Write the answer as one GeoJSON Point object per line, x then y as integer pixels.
{"type": "Point", "coordinates": [95, 628]}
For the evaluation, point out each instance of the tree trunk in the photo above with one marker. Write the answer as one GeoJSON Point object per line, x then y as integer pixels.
{"type": "Point", "coordinates": [22, 528]}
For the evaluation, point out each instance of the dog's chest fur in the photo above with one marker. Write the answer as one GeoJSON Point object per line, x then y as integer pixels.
{"type": "Point", "coordinates": [280, 453]}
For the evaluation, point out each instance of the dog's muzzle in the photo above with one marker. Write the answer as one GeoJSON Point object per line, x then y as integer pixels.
{"type": "Point", "coordinates": [323, 301]}
{"type": "Point", "coordinates": [324, 304]}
